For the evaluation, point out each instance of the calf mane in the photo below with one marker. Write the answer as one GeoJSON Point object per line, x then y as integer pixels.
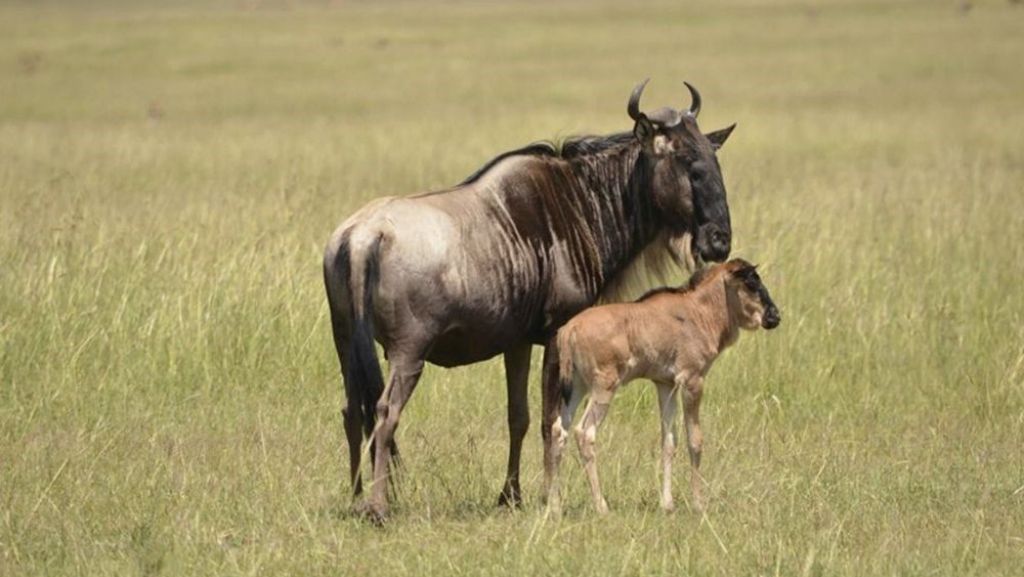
{"type": "Point", "coordinates": [695, 281]}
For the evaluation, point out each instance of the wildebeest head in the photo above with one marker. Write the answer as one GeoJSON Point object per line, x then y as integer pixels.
{"type": "Point", "coordinates": [686, 180]}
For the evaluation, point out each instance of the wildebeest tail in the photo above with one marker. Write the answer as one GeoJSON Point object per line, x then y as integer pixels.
{"type": "Point", "coordinates": [351, 275]}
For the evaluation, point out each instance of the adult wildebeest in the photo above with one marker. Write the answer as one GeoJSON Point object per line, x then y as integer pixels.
{"type": "Point", "coordinates": [499, 262]}
{"type": "Point", "coordinates": [670, 336]}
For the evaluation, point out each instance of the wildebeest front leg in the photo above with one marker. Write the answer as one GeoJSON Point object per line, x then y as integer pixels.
{"type": "Point", "coordinates": [517, 372]}
{"type": "Point", "coordinates": [668, 402]}
{"type": "Point", "coordinates": [693, 389]}
{"type": "Point", "coordinates": [404, 374]}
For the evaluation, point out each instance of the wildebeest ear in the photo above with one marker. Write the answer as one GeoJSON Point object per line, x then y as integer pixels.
{"type": "Point", "coordinates": [643, 130]}
{"type": "Point", "coordinates": [719, 137]}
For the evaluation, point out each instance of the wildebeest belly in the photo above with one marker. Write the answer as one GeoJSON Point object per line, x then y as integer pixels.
{"type": "Point", "coordinates": [478, 329]}
{"type": "Point", "coordinates": [460, 346]}
{"type": "Point", "coordinates": [471, 342]}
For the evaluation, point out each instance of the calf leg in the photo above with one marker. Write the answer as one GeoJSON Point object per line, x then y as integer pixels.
{"type": "Point", "coordinates": [668, 403]}
{"type": "Point", "coordinates": [554, 445]}
{"type": "Point", "coordinates": [405, 373]}
{"type": "Point", "coordinates": [586, 439]}
{"type": "Point", "coordinates": [553, 448]}
{"type": "Point", "coordinates": [517, 372]}
{"type": "Point", "coordinates": [693, 389]}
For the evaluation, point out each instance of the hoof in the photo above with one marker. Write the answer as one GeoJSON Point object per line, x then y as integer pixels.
{"type": "Point", "coordinates": [373, 512]}
{"type": "Point", "coordinates": [511, 498]}
{"type": "Point", "coordinates": [698, 505]}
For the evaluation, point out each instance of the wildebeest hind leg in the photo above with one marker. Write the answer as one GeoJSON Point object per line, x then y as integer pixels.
{"type": "Point", "coordinates": [404, 374]}
{"type": "Point", "coordinates": [517, 372]}
{"type": "Point", "coordinates": [396, 467]}
{"type": "Point", "coordinates": [395, 471]}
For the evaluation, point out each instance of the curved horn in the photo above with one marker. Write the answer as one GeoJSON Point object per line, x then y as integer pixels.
{"type": "Point", "coordinates": [634, 100]}
{"type": "Point", "coordinates": [695, 96]}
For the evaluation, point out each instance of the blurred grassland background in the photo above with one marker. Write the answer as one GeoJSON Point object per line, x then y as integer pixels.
{"type": "Point", "coordinates": [169, 394]}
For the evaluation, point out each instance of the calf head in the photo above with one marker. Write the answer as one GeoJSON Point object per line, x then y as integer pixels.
{"type": "Point", "coordinates": [755, 305]}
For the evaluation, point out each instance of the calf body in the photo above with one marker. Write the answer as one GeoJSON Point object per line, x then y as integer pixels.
{"type": "Point", "coordinates": [670, 336]}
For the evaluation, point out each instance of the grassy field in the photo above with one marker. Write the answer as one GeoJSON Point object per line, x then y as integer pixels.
{"type": "Point", "coordinates": [169, 173]}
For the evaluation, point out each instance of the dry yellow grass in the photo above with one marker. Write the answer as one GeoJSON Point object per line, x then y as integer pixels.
{"type": "Point", "coordinates": [168, 390]}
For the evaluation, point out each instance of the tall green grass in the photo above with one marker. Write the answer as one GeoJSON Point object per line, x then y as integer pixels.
{"type": "Point", "coordinates": [169, 396]}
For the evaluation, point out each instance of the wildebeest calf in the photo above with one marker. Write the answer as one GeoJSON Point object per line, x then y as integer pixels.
{"type": "Point", "coordinates": [670, 336]}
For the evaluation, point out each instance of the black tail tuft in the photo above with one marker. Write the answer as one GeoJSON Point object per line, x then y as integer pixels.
{"type": "Point", "coordinates": [365, 367]}
{"type": "Point", "coordinates": [565, 388]}
{"type": "Point", "coordinates": [353, 333]}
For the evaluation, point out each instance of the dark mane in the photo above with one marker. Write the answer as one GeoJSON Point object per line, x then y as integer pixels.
{"type": "Point", "coordinates": [535, 149]}
{"type": "Point", "coordinates": [572, 147]}
{"type": "Point", "coordinates": [698, 277]}
{"type": "Point", "coordinates": [581, 145]}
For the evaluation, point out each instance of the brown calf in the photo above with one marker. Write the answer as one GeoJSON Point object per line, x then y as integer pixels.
{"type": "Point", "coordinates": [670, 336]}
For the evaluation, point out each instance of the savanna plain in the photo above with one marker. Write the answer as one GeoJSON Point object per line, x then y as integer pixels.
{"type": "Point", "coordinates": [169, 392]}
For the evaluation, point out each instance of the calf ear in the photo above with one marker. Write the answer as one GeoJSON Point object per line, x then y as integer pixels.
{"type": "Point", "coordinates": [719, 137]}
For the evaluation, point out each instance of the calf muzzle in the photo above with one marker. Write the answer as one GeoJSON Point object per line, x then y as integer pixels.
{"type": "Point", "coordinates": [771, 318]}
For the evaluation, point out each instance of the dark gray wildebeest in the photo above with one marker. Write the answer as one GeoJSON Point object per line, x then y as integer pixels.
{"type": "Point", "coordinates": [499, 262]}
